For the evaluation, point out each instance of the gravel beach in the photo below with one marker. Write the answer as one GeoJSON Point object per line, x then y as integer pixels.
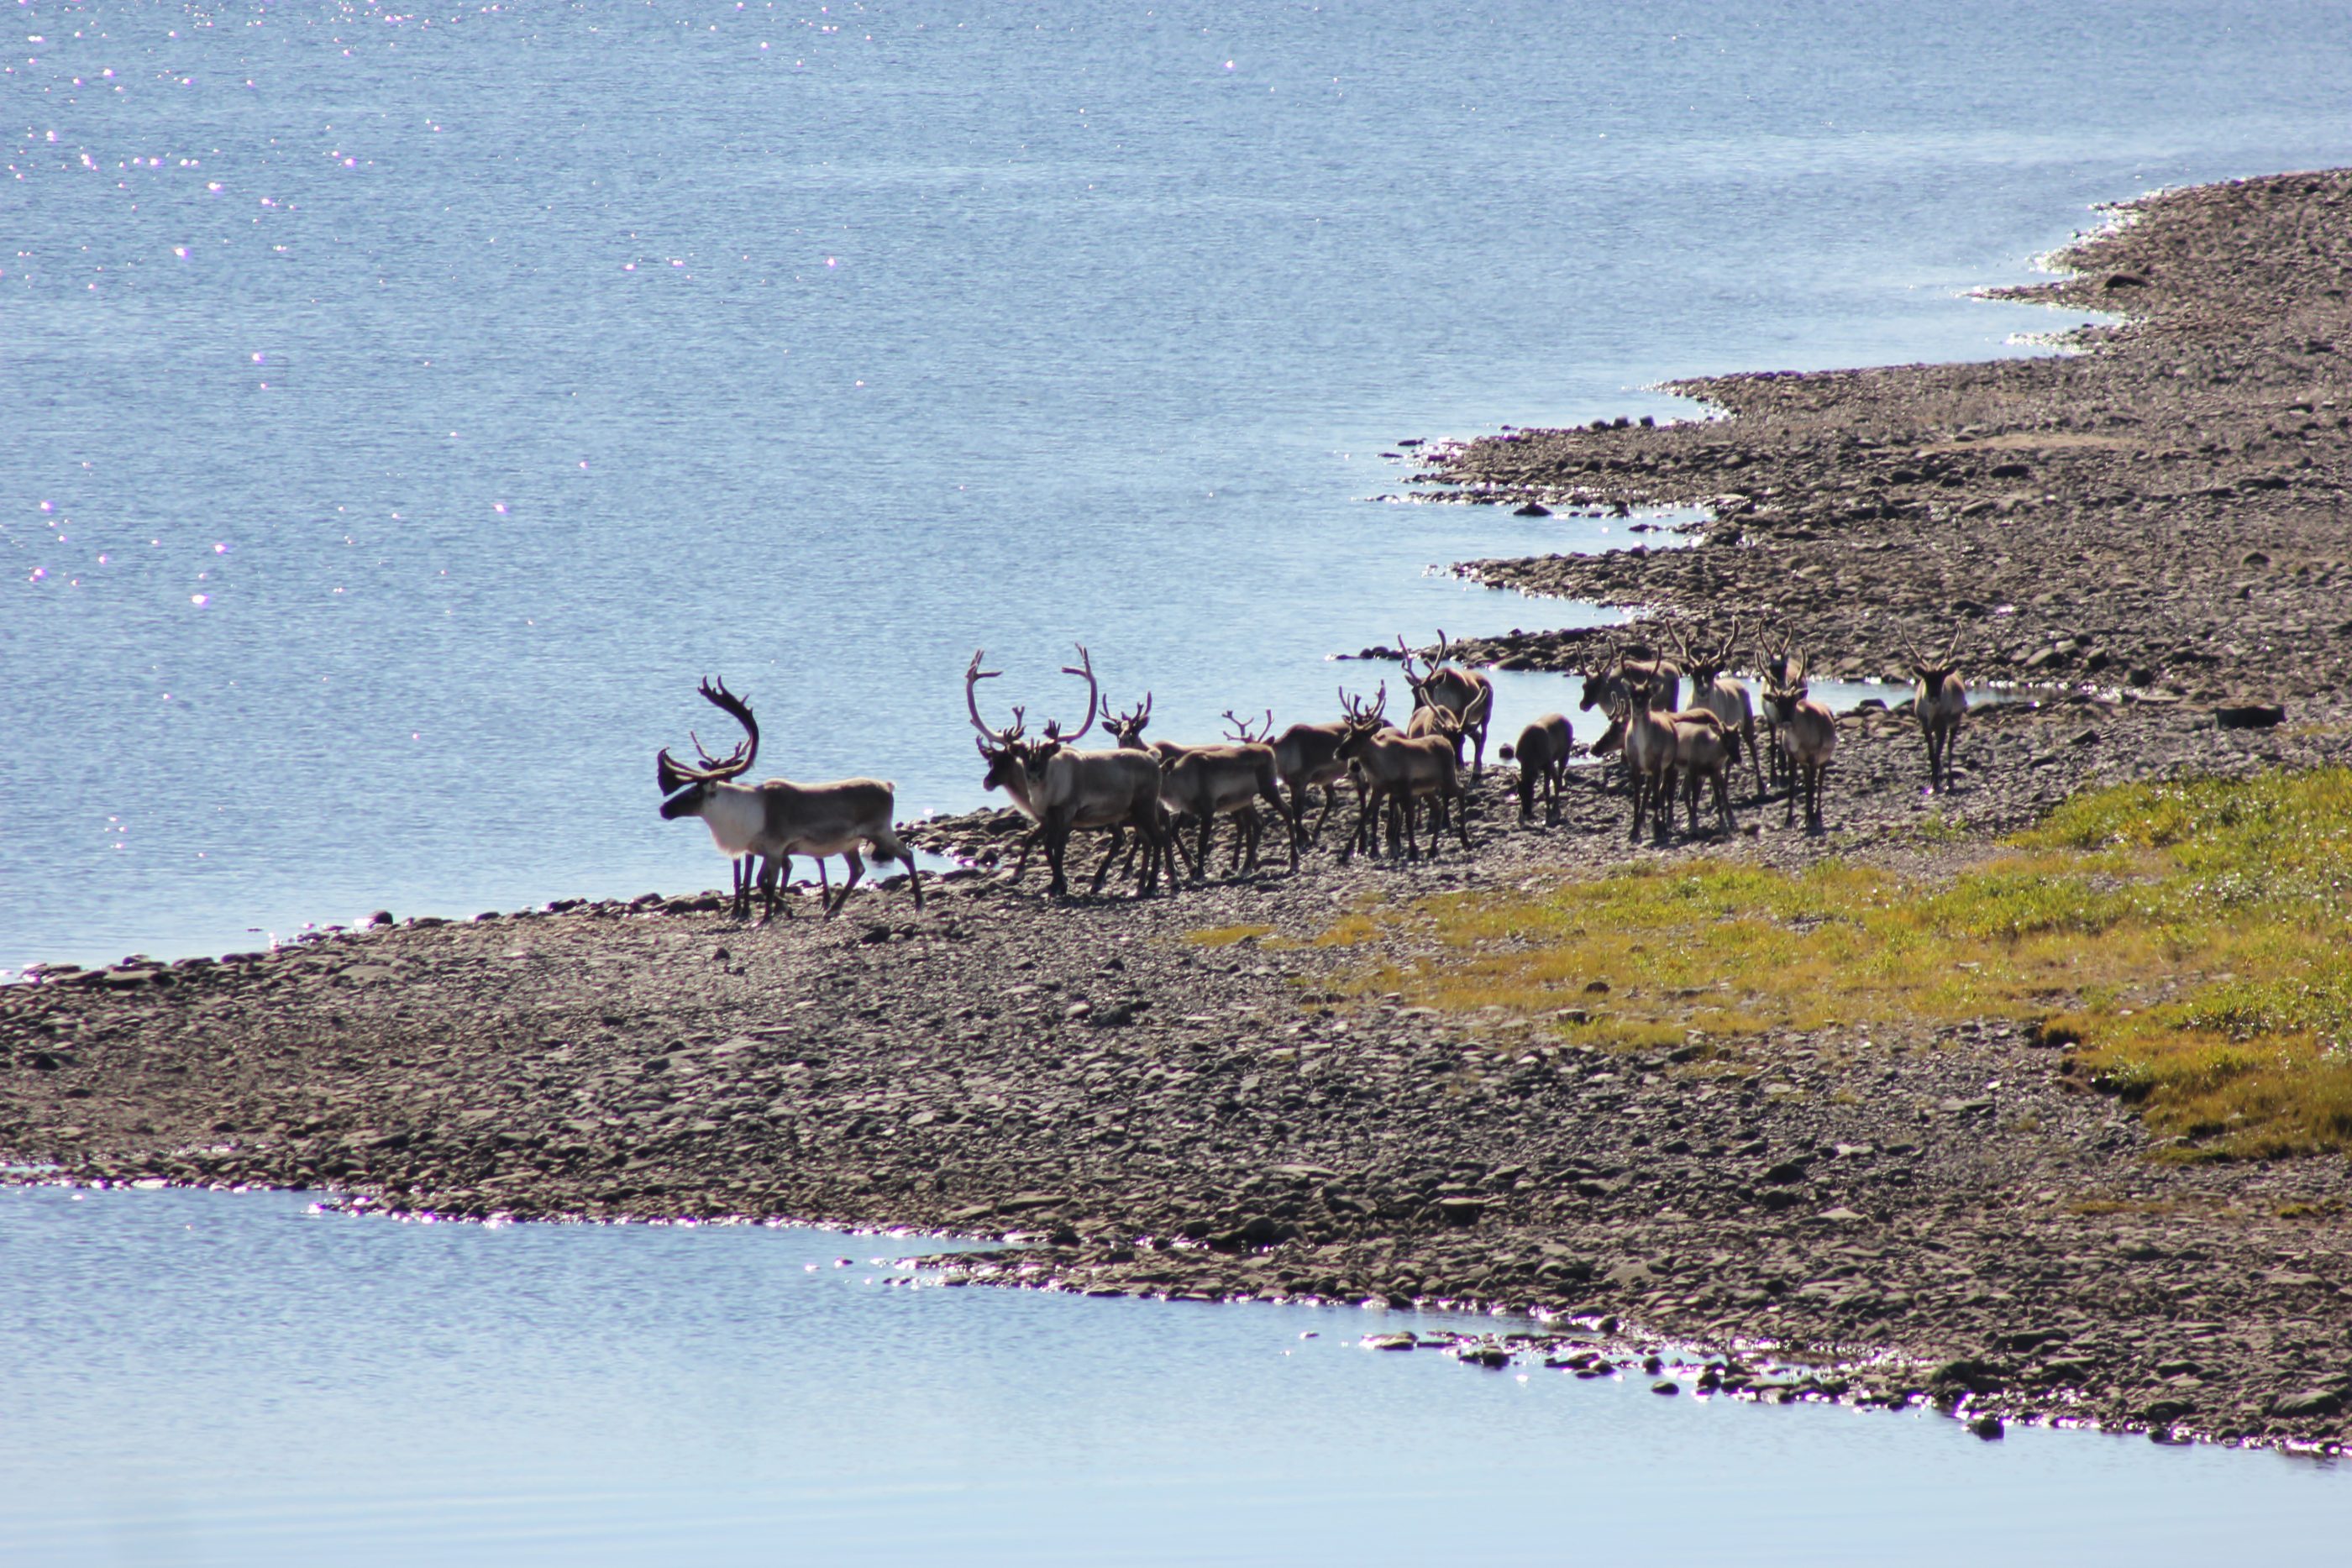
{"type": "Point", "coordinates": [1184, 1096]}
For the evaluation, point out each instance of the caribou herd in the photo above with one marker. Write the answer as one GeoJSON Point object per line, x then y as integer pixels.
{"type": "Point", "coordinates": [1160, 801]}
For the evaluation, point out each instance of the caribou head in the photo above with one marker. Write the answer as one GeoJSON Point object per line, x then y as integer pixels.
{"type": "Point", "coordinates": [1127, 727]}
{"type": "Point", "coordinates": [684, 788]}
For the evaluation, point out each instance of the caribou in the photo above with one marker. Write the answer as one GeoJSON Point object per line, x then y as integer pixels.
{"type": "Point", "coordinates": [1806, 732]}
{"type": "Point", "coordinates": [1466, 694]}
{"type": "Point", "coordinates": [1608, 687]}
{"type": "Point", "coordinates": [1060, 788]}
{"type": "Point", "coordinates": [1722, 696]}
{"type": "Point", "coordinates": [778, 819]}
{"type": "Point", "coordinates": [1542, 755]}
{"type": "Point", "coordinates": [1773, 658]}
{"type": "Point", "coordinates": [1939, 701]}
{"type": "Point", "coordinates": [1660, 746]}
{"type": "Point", "coordinates": [1201, 783]}
{"type": "Point", "coordinates": [1306, 754]}
{"type": "Point", "coordinates": [1206, 782]}
{"type": "Point", "coordinates": [1398, 772]}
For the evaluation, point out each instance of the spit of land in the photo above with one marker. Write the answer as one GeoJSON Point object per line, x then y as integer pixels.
{"type": "Point", "coordinates": [1916, 1105]}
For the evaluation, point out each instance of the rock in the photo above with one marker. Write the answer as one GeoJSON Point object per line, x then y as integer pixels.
{"type": "Point", "coordinates": [2309, 1402]}
{"type": "Point", "coordinates": [2249, 716]}
{"type": "Point", "coordinates": [1987, 1426]}
{"type": "Point", "coordinates": [1666, 1385]}
{"type": "Point", "coordinates": [1965, 1376]}
{"type": "Point", "coordinates": [1259, 1231]}
{"type": "Point", "coordinates": [1460, 1210]}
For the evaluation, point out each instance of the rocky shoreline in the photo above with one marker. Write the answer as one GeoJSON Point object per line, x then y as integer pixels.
{"type": "Point", "coordinates": [1185, 1097]}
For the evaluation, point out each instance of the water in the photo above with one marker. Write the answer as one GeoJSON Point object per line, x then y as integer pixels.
{"type": "Point", "coordinates": [198, 1378]}
{"type": "Point", "coordinates": [409, 407]}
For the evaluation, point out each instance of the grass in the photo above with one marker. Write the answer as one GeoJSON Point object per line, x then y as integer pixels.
{"type": "Point", "coordinates": [1227, 935]}
{"type": "Point", "coordinates": [2193, 941]}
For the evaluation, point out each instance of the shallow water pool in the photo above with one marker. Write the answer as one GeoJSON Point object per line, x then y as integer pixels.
{"type": "Point", "coordinates": [199, 1378]}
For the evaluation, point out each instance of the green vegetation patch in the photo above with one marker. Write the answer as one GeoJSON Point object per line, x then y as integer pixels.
{"type": "Point", "coordinates": [2193, 940]}
{"type": "Point", "coordinates": [1227, 935]}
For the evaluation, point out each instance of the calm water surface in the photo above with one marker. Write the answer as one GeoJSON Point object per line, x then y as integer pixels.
{"type": "Point", "coordinates": [198, 1378]}
{"type": "Point", "coordinates": [408, 405]}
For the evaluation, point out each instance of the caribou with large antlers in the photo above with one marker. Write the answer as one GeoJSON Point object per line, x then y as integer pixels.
{"type": "Point", "coordinates": [1060, 787]}
{"type": "Point", "coordinates": [1939, 701]}
{"type": "Point", "coordinates": [1466, 695]}
{"type": "Point", "coordinates": [778, 820]}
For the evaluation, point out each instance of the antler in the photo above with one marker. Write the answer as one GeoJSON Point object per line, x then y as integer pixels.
{"type": "Point", "coordinates": [1730, 641]}
{"type": "Point", "coordinates": [1237, 728]}
{"type": "Point", "coordinates": [670, 773]}
{"type": "Point", "coordinates": [1126, 724]}
{"type": "Point", "coordinates": [1415, 681]}
{"type": "Point", "coordinates": [972, 676]}
{"type": "Point", "coordinates": [1084, 667]}
{"type": "Point", "coordinates": [1673, 631]}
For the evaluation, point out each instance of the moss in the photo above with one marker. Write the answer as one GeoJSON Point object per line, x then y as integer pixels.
{"type": "Point", "coordinates": [2192, 942]}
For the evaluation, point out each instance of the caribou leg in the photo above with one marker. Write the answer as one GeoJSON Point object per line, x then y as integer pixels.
{"type": "Point", "coordinates": [1330, 799]}
{"type": "Point", "coordinates": [1028, 841]}
{"type": "Point", "coordinates": [1057, 844]}
{"type": "Point", "coordinates": [773, 875]}
{"type": "Point", "coordinates": [856, 866]}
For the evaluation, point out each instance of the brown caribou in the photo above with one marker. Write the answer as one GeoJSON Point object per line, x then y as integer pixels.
{"type": "Point", "coordinates": [1399, 772]}
{"type": "Point", "coordinates": [1722, 696]}
{"type": "Point", "coordinates": [1060, 787]}
{"type": "Point", "coordinates": [1542, 755]}
{"type": "Point", "coordinates": [1939, 701]}
{"type": "Point", "coordinates": [1447, 687]}
{"type": "Point", "coordinates": [1806, 732]}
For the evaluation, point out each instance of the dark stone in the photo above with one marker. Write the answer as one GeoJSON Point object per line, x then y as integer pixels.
{"type": "Point", "coordinates": [1968, 1377]}
{"type": "Point", "coordinates": [1259, 1231]}
{"type": "Point", "coordinates": [2309, 1402]}
{"type": "Point", "coordinates": [1987, 1426]}
{"type": "Point", "coordinates": [2251, 715]}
